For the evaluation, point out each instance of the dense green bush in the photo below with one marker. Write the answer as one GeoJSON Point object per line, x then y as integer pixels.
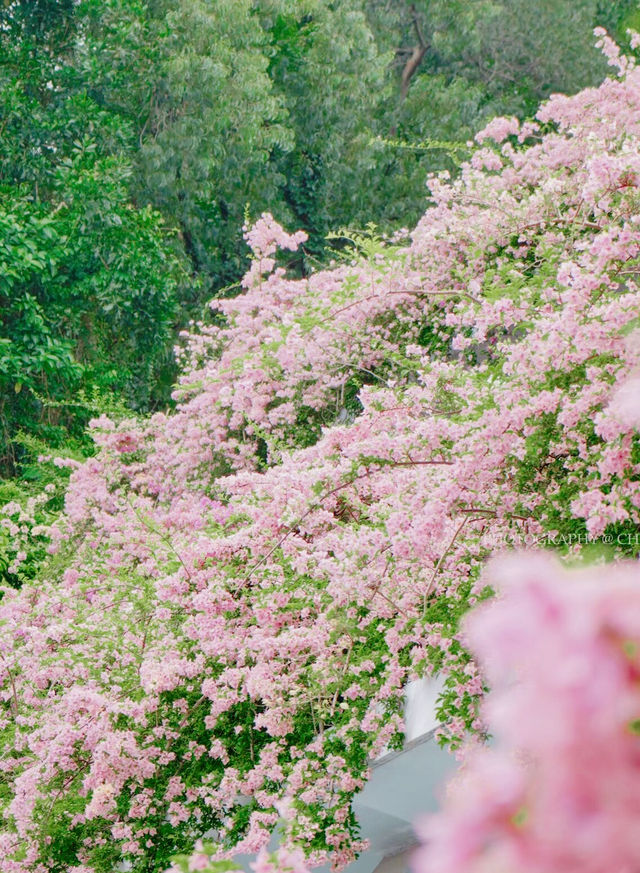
{"type": "Point", "coordinates": [88, 281]}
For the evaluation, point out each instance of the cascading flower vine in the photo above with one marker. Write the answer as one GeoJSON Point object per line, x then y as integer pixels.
{"type": "Point", "coordinates": [238, 591]}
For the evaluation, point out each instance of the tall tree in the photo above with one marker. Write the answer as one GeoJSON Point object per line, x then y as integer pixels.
{"type": "Point", "coordinates": [192, 78]}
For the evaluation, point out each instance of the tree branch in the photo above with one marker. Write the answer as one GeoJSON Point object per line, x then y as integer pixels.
{"type": "Point", "coordinates": [416, 57]}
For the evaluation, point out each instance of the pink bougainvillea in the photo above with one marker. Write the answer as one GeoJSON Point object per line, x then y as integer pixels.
{"type": "Point", "coordinates": [238, 591]}
{"type": "Point", "coordinates": [559, 788]}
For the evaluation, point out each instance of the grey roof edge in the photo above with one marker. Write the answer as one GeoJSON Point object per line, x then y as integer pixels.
{"type": "Point", "coordinates": [408, 746]}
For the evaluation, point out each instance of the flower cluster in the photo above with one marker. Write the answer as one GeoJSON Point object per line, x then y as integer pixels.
{"type": "Point", "coordinates": [24, 528]}
{"type": "Point", "coordinates": [559, 788]}
{"type": "Point", "coordinates": [239, 591]}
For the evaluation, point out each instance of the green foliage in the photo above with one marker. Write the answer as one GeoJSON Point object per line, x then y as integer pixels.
{"type": "Point", "coordinates": [458, 63]}
{"type": "Point", "coordinates": [88, 299]}
{"type": "Point", "coordinates": [617, 16]}
{"type": "Point", "coordinates": [192, 79]}
{"type": "Point", "coordinates": [231, 103]}
{"type": "Point", "coordinates": [331, 75]}
{"type": "Point", "coordinates": [88, 282]}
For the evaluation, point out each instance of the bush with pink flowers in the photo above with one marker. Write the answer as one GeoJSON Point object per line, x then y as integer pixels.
{"type": "Point", "coordinates": [239, 591]}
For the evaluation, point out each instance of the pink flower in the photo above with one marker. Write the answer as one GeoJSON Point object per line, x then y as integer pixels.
{"type": "Point", "coordinates": [499, 129]}
{"type": "Point", "coordinates": [625, 403]}
{"type": "Point", "coordinates": [559, 788]}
